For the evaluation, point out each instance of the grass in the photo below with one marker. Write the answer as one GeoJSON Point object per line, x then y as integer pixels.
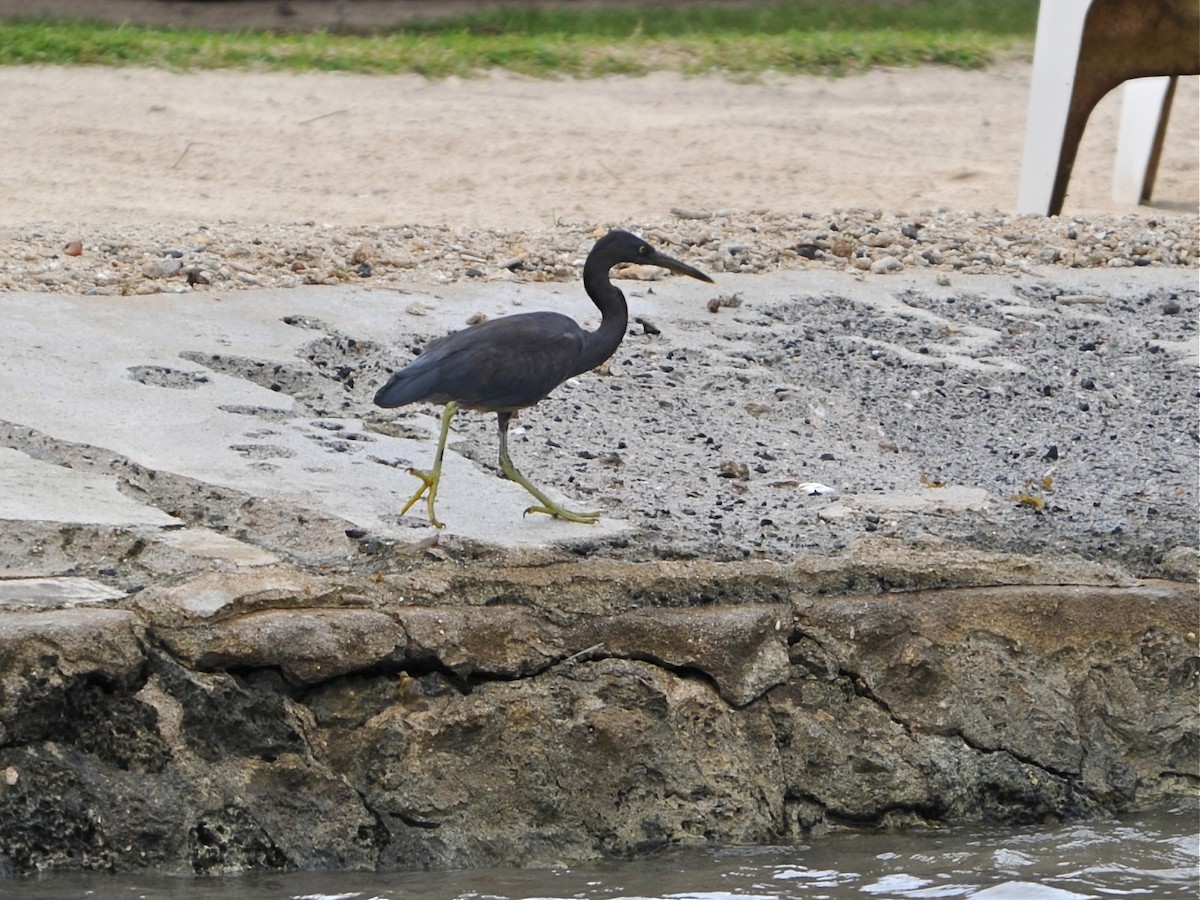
{"type": "Point", "coordinates": [826, 36]}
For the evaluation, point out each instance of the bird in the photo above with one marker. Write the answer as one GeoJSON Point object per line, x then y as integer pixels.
{"type": "Point", "coordinates": [508, 364]}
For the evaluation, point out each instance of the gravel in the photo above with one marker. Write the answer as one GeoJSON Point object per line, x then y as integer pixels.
{"type": "Point", "coordinates": [225, 256]}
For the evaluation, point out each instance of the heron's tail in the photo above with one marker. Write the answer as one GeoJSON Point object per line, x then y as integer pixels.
{"type": "Point", "coordinates": [402, 388]}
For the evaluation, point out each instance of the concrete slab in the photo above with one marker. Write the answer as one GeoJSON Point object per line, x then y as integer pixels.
{"type": "Point", "coordinates": [118, 374]}
{"type": "Point", "coordinates": [34, 490]}
{"type": "Point", "coordinates": [207, 544]}
{"type": "Point", "coordinates": [18, 591]}
{"type": "Point", "coordinates": [1049, 405]}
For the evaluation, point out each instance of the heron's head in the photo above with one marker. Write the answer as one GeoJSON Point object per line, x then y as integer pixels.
{"type": "Point", "coordinates": [621, 246]}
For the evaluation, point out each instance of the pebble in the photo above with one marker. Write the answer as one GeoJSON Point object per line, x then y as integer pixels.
{"type": "Point", "coordinates": [233, 256]}
{"type": "Point", "coordinates": [885, 265]}
{"type": "Point", "coordinates": [162, 268]}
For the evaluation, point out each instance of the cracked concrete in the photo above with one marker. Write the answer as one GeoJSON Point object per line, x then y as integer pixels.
{"type": "Point", "coordinates": [876, 551]}
{"type": "Point", "coordinates": [991, 410]}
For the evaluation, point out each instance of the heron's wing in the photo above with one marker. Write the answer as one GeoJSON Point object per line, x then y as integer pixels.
{"type": "Point", "coordinates": [503, 364]}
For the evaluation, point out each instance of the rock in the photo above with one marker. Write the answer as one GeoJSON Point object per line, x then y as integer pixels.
{"type": "Point", "coordinates": [217, 595]}
{"type": "Point", "coordinates": [843, 247]}
{"type": "Point", "coordinates": [501, 643]}
{"type": "Point", "coordinates": [307, 645]}
{"type": "Point", "coordinates": [886, 264]}
{"type": "Point", "coordinates": [162, 268]}
{"type": "Point", "coordinates": [743, 649]}
{"type": "Point", "coordinates": [542, 713]}
{"type": "Point", "coordinates": [836, 514]}
{"type": "Point", "coordinates": [1182, 562]}
{"type": "Point", "coordinates": [45, 656]}
{"type": "Point", "coordinates": [734, 469]}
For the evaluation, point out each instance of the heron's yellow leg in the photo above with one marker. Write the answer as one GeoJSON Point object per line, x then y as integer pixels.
{"type": "Point", "coordinates": [431, 478]}
{"type": "Point", "coordinates": [545, 504]}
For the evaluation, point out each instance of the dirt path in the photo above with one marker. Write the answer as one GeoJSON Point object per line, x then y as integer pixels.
{"type": "Point", "coordinates": [114, 146]}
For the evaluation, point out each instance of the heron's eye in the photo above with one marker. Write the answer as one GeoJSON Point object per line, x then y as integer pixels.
{"type": "Point", "coordinates": [643, 250]}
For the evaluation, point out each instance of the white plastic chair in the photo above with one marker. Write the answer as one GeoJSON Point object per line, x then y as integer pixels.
{"type": "Point", "coordinates": [1084, 49]}
{"type": "Point", "coordinates": [1145, 108]}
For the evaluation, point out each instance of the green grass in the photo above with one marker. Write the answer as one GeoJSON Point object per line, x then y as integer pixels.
{"type": "Point", "coordinates": [826, 36]}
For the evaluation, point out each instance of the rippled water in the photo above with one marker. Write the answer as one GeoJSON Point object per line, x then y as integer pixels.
{"type": "Point", "coordinates": [1151, 856]}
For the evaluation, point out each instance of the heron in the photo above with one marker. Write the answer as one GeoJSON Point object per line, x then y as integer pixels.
{"type": "Point", "coordinates": [508, 364]}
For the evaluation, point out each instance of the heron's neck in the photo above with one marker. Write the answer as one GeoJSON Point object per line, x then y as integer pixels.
{"type": "Point", "coordinates": [614, 318]}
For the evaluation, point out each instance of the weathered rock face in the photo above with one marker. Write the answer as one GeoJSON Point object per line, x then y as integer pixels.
{"type": "Point", "coordinates": [532, 713]}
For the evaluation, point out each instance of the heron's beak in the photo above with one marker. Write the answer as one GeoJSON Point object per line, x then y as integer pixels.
{"type": "Point", "coordinates": [673, 265]}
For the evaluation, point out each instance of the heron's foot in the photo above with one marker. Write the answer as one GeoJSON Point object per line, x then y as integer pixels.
{"type": "Point", "coordinates": [559, 512]}
{"type": "Point", "coordinates": [544, 504]}
{"type": "Point", "coordinates": [429, 482]}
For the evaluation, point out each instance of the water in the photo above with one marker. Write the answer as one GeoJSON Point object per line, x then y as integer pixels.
{"type": "Point", "coordinates": [1148, 856]}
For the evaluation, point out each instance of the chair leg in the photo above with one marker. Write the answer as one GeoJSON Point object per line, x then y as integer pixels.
{"type": "Point", "coordinates": [1145, 109]}
{"type": "Point", "coordinates": [1052, 85]}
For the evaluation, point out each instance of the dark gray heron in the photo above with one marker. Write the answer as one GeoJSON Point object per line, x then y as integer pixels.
{"type": "Point", "coordinates": [507, 364]}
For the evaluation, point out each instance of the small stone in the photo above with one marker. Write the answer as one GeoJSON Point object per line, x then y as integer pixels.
{"type": "Point", "coordinates": [363, 252]}
{"type": "Point", "coordinates": [835, 513]}
{"type": "Point", "coordinates": [732, 469]}
{"type": "Point", "coordinates": [73, 248]}
{"type": "Point", "coordinates": [162, 268]}
{"type": "Point", "coordinates": [843, 247]}
{"type": "Point", "coordinates": [885, 265]}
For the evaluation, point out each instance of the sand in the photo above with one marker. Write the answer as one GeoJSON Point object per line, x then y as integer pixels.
{"type": "Point", "coordinates": [109, 147]}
